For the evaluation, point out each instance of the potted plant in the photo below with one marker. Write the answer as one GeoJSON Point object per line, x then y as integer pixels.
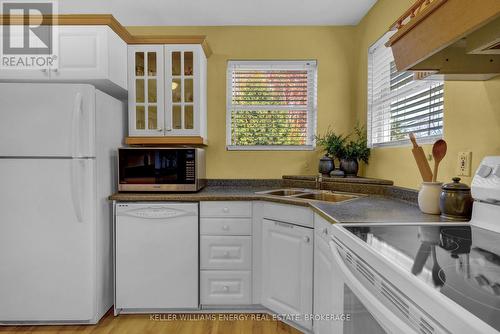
{"type": "Point", "coordinates": [333, 144]}
{"type": "Point", "coordinates": [355, 150]}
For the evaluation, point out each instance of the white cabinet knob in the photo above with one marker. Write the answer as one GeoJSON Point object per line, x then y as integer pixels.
{"type": "Point", "coordinates": [226, 254]}
{"type": "Point", "coordinates": [307, 239]}
{"type": "Point", "coordinates": [225, 210]}
{"type": "Point", "coordinates": [225, 227]}
{"type": "Point", "coordinates": [44, 70]}
{"type": "Point", "coordinates": [225, 288]}
{"type": "Point", "coordinates": [160, 129]}
{"type": "Point", "coordinates": [325, 231]}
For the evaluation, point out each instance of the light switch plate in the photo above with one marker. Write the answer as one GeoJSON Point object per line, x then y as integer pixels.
{"type": "Point", "coordinates": [464, 163]}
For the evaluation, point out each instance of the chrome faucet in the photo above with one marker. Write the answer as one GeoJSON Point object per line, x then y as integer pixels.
{"type": "Point", "coordinates": [319, 179]}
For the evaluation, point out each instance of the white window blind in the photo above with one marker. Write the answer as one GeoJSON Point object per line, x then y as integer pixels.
{"type": "Point", "coordinates": [271, 105]}
{"type": "Point", "coordinates": [398, 104]}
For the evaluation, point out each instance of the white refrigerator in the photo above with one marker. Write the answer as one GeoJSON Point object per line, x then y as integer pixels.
{"type": "Point", "coordinates": [57, 167]}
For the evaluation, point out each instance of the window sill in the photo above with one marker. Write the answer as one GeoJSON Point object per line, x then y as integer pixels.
{"type": "Point", "coordinates": [270, 148]}
{"type": "Point", "coordinates": [407, 142]}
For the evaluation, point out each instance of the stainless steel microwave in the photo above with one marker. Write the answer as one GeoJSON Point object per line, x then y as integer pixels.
{"type": "Point", "coordinates": [161, 169]}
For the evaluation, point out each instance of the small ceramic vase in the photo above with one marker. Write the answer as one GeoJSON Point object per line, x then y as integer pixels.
{"type": "Point", "coordinates": [326, 165]}
{"type": "Point", "coordinates": [428, 197]}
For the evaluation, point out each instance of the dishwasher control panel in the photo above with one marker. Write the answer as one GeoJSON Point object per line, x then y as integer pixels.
{"type": "Point", "coordinates": [154, 211]}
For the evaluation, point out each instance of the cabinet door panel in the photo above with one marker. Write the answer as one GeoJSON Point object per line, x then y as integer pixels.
{"type": "Point", "coordinates": [182, 89]}
{"type": "Point", "coordinates": [226, 252]}
{"type": "Point", "coordinates": [287, 269]}
{"type": "Point", "coordinates": [82, 53]}
{"type": "Point", "coordinates": [146, 90]}
{"type": "Point", "coordinates": [225, 287]}
{"type": "Point", "coordinates": [323, 284]}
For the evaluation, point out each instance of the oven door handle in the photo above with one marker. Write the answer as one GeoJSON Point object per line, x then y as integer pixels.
{"type": "Point", "coordinates": [388, 320]}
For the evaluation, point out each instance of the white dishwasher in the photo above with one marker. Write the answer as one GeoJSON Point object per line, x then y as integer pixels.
{"type": "Point", "coordinates": [156, 256]}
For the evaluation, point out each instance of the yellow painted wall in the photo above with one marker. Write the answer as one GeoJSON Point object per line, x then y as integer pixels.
{"type": "Point", "coordinates": [472, 109]}
{"type": "Point", "coordinates": [471, 116]}
{"type": "Point", "coordinates": [332, 47]}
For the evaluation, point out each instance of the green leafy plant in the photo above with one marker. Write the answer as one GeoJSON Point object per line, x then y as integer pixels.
{"type": "Point", "coordinates": [332, 143]}
{"type": "Point", "coordinates": [357, 147]}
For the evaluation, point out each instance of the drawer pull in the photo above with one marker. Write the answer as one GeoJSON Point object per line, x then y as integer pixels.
{"type": "Point", "coordinates": [225, 227]}
{"type": "Point", "coordinates": [226, 210]}
{"type": "Point", "coordinates": [325, 231]}
{"type": "Point", "coordinates": [225, 288]}
{"type": "Point", "coordinates": [307, 239]}
{"type": "Point", "coordinates": [226, 254]}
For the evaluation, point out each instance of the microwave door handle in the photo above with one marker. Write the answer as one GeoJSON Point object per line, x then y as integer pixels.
{"type": "Point", "coordinates": [75, 126]}
{"type": "Point", "coordinates": [388, 320]}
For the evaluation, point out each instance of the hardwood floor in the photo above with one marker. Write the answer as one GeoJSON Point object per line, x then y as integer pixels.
{"type": "Point", "coordinates": [213, 323]}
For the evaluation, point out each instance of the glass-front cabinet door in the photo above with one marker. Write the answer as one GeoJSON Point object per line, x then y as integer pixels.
{"type": "Point", "coordinates": [167, 90]}
{"type": "Point", "coordinates": [182, 90]}
{"type": "Point", "coordinates": [146, 97]}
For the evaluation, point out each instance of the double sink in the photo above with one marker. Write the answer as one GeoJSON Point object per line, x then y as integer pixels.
{"type": "Point", "coordinates": [310, 194]}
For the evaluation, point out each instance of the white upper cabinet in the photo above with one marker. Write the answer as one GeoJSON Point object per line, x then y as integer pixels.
{"type": "Point", "coordinates": [87, 54]}
{"type": "Point", "coordinates": [91, 52]}
{"type": "Point", "coordinates": [287, 269]}
{"type": "Point", "coordinates": [169, 98]}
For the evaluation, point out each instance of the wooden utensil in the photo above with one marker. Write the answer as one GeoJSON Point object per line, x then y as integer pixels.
{"type": "Point", "coordinates": [438, 152]}
{"type": "Point", "coordinates": [423, 253]}
{"type": "Point", "coordinates": [438, 276]}
{"type": "Point", "coordinates": [422, 163]}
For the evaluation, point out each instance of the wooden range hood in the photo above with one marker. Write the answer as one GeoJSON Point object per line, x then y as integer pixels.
{"type": "Point", "coordinates": [453, 39]}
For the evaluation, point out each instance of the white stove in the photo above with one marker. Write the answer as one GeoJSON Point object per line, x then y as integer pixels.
{"type": "Point", "coordinates": [486, 194]}
{"type": "Point", "coordinates": [439, 278]}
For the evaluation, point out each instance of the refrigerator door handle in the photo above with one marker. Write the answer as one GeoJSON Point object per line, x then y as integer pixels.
{"type": "Point", "coordinates": [76, 188]}
{"type": "Point", "coordinates": [75, 135]}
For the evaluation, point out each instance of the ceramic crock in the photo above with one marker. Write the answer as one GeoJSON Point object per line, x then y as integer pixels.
{"type": "Point", "coordinates": [428, 197]}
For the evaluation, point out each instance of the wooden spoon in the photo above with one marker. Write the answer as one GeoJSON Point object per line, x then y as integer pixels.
{"type": "Point", "coordinates": [438, 276]}
{"type": "Point", "coordinates": [438, 152]}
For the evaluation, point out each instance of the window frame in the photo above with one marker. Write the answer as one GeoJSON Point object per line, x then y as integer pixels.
{"type": "Point", "coordinates": [312, 104]}
{"type": "Point", "coordinates": [394, 143]}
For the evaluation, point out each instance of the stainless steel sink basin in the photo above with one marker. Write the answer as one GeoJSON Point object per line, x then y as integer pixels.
{"type": "Point", "coordinates": [327, 197]}
{"type": "Point", "coordinates": [310, 194]}
{"type": "Point", "coordinates": [285, 192]}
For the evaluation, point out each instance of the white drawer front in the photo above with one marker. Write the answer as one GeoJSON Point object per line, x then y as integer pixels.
{"type": "Point", "coordinates": [226, 226]}
{"type": "Point", "coordinates": [226, 209]}
{"type": "Point", "coordinates": [225, 252]}
{"type": "Point", "coordinates": [288, 213]}
{"type": "Point", "coordinates": [225, 287]}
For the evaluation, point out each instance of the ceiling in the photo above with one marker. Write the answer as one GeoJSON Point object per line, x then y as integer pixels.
{"type": "Point", "coordinates": [224, 12]}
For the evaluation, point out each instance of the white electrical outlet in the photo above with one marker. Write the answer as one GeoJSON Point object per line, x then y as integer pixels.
{"type": "Point", "coordinates": [464, 162]}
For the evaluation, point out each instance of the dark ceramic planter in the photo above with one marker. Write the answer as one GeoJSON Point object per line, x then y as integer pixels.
{"type": "Point", "coordinates": [326, 165]}
{"type": "Point", "coordinates": [350, 167]}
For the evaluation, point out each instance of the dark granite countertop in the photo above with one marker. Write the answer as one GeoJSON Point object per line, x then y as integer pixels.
{"type": "Point", "coordinates": [210, 193]}
{"type": "Point", "coordinates": [373, 209]}
{"type": "Point", "coordinates": [366, 209]}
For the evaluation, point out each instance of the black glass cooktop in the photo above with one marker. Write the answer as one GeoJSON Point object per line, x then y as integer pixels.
{"type": "Point", "coordinates": [462, 262]}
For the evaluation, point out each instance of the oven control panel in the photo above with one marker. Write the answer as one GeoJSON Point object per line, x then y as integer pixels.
{"type": "Point", "coordinates": [486, 182]}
